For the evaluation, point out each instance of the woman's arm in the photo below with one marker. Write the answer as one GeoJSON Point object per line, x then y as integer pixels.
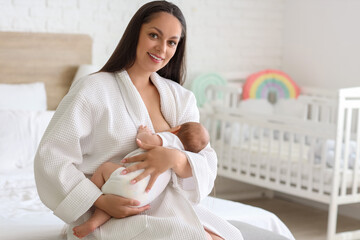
{"type": "Point", "coordinates": [61, 185]}
{"type": "Point", "coordinates": [204, 163]}
{"type": "Point", "coordinates": [181, 165]}
{"type": "Point", "coordinates": [177, 159]}
{"type": "Point", "coordinates": [119, 207]}
{"type": "Point", "coordinates": [155, 161]}
{"type": "Point", "coordinates": [195, 172]}
{"type": "Point", "coordinates": [115, 206]}
{"type": "Point", "coordinates": [59, 162]}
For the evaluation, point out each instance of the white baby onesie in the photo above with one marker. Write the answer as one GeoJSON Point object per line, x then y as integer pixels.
{"type": "Point", "coordinates": [119, 184]}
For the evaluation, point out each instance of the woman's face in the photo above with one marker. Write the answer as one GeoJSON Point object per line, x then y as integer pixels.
{"type": "Point", "coordinates": [157, 43]}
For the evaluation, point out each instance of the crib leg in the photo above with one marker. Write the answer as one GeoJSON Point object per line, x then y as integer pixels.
{"type": "Point", "coordinates": [269, 193]}
{"type": "Point", "coordinates": [332, 221]}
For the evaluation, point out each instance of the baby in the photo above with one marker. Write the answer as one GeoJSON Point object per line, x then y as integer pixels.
{"type": "Point", "coordinates": [190, 136]}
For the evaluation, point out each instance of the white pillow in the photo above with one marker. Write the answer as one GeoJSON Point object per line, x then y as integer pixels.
{"type": "Point", "coordinates": [29, 96]}
{"type": "Point", "coordinates": [84, 70]}
{"type": "Point", "coordinates": [20, 135]}
{"type": "Point", "coordinates": [290, 108]}
{"type": "Point", "coordinates": [259, 106]}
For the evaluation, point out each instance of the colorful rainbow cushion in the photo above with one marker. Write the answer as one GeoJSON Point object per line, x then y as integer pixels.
{"type": "Point", "coordinates": [199, 85]}
{"type": "Point", "coordinates": [260, 84]}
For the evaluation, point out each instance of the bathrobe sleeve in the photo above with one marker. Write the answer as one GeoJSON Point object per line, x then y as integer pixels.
{"type": "Point", "coordinates": [204, 163]}
{"type": "Point", "coordinates": [61, 185]}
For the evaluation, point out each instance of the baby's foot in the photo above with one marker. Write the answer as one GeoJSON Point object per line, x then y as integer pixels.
{"type": "Point", "coordinates": [83, 230]}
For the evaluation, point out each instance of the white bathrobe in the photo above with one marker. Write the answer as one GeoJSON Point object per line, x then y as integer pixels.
{"type": "Point", "coordinates": [97, 121]}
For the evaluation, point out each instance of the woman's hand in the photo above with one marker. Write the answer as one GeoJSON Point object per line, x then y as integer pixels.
{"type": "Point", "coordinates": [156, 161]}
{"type": "Point", "coordinates": [119, 207]}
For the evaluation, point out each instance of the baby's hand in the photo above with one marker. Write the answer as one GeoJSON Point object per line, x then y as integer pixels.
{"type": "Point", "coordinates": [144, 129]}
{"type": "Point", "coordinates": [145, 135]}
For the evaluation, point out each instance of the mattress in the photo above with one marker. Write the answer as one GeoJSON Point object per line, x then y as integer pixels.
{"type": "Point", "coordinates": [278, 163]}
{"type": "Point", "coordinates": [23, 216]}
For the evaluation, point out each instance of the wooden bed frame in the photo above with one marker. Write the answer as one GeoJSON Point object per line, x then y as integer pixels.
{"type": "Point", "coordinates": [43, 57]}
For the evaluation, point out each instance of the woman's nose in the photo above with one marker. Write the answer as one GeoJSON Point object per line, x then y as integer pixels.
{"type": "Point", "coordinates": [161, 47]}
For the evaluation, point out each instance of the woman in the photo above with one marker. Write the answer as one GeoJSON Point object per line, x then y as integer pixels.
{"type": "Point", "coordinates": [97, 122]}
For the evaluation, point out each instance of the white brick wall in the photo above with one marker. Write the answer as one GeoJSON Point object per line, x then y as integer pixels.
{"type": "Point", "coordinates": [232, 37]}
{"type": "Point", "coordinates": [321, 42]}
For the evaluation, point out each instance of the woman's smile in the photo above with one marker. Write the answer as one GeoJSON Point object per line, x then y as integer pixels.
{"type": "Point", "coordinates": [157, 43]}
{"type": "Point", "coordinates": [155, 58]}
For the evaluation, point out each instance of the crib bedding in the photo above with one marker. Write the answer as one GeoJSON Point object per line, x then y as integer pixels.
{"type": "Point", "coordinates": [290, 152]}
{"type": "Point", "coordinates": [23, 216]}
{"type": "Point", "coordinates": [250, 158]}
{"type": "Point", "coordinates": [293, 150]}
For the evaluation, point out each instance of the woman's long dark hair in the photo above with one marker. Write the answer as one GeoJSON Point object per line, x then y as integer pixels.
{"type": "Point", "coordinates": [125, 53]}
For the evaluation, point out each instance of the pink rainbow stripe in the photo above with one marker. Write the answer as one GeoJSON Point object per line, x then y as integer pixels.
{"type": "Point", "coordinates": [259, 84]}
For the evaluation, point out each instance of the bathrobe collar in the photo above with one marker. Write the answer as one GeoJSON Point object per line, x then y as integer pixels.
{"type": "Point", "coordinates": [136, 106]}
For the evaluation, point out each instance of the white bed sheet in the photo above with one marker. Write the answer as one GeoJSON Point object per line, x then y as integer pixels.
{"type": "Point", "coordinates": [258, 217]}
{"type": "Point", "coordinates": [23, 216]}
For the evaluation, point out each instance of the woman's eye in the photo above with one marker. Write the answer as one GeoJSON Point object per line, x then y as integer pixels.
{"type": "Point", "coordinates": [172, 43]}
{"type": "Point", "coordinates": [153, 35]}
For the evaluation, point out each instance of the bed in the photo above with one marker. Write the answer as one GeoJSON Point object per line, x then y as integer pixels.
{"type": "Point", "coordinates": [36, 71]}
{"type": "Point", "coordinates": [307, 147]}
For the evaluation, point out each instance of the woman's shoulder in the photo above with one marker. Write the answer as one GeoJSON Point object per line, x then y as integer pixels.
{"type": "Point", "coordinates": [94, 80]}
{"type": "Point", "coordinates": [92, 84]}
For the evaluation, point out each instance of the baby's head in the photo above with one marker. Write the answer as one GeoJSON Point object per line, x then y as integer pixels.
{"type": "Point", "coordinates": [193, 136]}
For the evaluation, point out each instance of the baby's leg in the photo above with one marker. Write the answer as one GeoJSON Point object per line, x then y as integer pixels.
{"type": "Point", "coordinates": [97, 219]}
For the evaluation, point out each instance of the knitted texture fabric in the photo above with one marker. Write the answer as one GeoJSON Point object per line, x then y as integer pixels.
{"type": "Point", "coordinates": [97, 121]}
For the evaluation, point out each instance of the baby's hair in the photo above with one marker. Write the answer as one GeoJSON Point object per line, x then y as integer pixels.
{"type": "Point", "coordinates": [193, 136]}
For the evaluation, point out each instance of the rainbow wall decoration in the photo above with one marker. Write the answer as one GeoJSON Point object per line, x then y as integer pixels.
{"type": "Point", "coordinates": [260, 84]}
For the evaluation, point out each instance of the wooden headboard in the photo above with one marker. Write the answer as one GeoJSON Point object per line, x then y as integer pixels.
{"type": "Point", "coordinates": [43, 57]}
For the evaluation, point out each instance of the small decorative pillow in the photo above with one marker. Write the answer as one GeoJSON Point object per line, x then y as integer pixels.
{"type": "Point", "coordinates": [29, 96]}
{"type": "Point", "coordinates": [20, 135]}
{"type": "Point", "coordinates": [269, 81]}
{"type": "Point", "coordinates": [290, 108]}
{"type": "Point", "coordinates": [84, 70]}
{"type": "Point", "coordinates": [259, 106]}
{"type": "Point", "coordinates": [200, 84]}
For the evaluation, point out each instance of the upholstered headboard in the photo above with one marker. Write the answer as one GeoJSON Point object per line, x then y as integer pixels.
{"type": "Point", "coordinates": [43, 57]}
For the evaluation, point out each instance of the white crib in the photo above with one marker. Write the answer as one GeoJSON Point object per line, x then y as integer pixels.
{"type": "Point", "coordinates": [315, 155]}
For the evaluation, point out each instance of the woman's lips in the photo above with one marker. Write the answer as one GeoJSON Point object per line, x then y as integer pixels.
{"type": "Point", "coordinates": [155, 58]}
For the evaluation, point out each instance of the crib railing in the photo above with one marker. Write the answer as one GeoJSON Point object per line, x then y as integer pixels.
{"type": "Point", "coordinates": [223, 96]}
{"type": "Point", "coordinates": [319, 109]}
{"type": "Point", "coordinates": [272, 153]}
{"type": "Point", "coordinates": [320, 106]}
{"type": "Point", "coordinates": [347, 137]}
{"type": "Point", "coordinates": [316, 156]}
